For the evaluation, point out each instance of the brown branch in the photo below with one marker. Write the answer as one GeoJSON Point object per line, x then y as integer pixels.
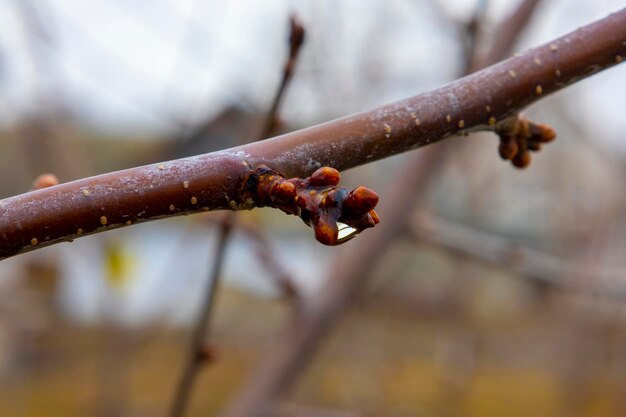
{"type": "Point", "coordinates": [196, 356]}
{"type": "Point", "coordinates": [472, 34]}
{"type": "Point", "coordinates": [296, 39]}
{"type": "Point", "coordinates": [297, 342]}
{"type": "Point", "coordinates": [507, 33]}
{"type": "Point", "coordinates": [289, 355]}
{"type": "Point", "coordinates": [213, 181]}
{"type": "Point", "coordinates": [269, 258]}
{"type": "Point", "coordinates": [530, 263]}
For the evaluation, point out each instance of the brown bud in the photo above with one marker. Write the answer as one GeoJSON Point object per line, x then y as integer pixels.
{"type": "Point", "coordinates": [534, 146]}
{"type": "Point", "coordinates": [207, 353]}
{"type": "Point", "coordinates": [542, 133]}
{"type": "Point", "coordinates": [316, 200]}
{"type": "Point", "coordinates": [296, 37]}
{"type": "Point", "coordinates": [325, 176]}
{"type": "Point", "coordinates": [326, 231]}
{"type": "Point", "coordinates": [45, 181]}
{"type": "Point", "coordinates": [508, 148]}
{"type": "Point", "coordinates": [285, 191]}
{"type": "Point", "coordinates": [360, 201]}
{"type": "Point", "coordinates": [522, 159]}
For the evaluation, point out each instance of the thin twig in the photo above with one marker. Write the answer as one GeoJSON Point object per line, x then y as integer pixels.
{"type": "Point", "coordinates": [528, 262]}
{"type": "Point", "coordinates": [506, 35]}
{"type": "Point", "coordinates": [270, 261]}
{"type": "Point", "coordinates": [216, 181]}
{"type": "Point", "coordinates": [196, 354]}
{"type": "Point", "coordinates": [195, 357]}
{"type": "Point", "coordinates": [296, 39]}
{"type": "Point", "coordinates": [472, 32]}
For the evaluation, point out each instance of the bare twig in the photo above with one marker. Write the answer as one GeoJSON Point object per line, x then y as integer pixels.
{"type": "Point", "coordinates": [214, 181]}
{"type": "Point", "coordinates": [268, 258]}
{"type": "Point", "coordinates": [296, 39]}
{"type": "Point", "coordinates": [472, 31]}
{"type": "Point", "coordinates": [507, 33]}
{"type": "Point", "coordinates": [195, 356]}
{"type": "Point", "coordinates": [533, 264]}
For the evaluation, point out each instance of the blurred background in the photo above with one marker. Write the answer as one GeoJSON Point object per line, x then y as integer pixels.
{"type": "Point", "coordinates": [504, 295]}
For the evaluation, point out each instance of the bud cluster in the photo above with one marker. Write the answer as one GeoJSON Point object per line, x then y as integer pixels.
{"type": "Point", "coordinates": [317, 200]}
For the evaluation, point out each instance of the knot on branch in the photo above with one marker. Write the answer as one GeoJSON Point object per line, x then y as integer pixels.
{"type": "Point", "coordinates": [336, 214]}
{"type": "Point", "coordinates": [519, 136]}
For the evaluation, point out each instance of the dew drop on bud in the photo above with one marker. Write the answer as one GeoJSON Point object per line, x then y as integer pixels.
{"type": "Point", "coordinates": [346, 232]}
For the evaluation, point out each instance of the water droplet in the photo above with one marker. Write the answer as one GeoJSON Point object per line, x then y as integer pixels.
{"type": "Point", "coordinates": [345, 233]}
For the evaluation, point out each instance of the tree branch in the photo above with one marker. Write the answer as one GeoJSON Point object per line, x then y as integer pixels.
{"type": "Point", "coordinates": [195, 356]}
{"type": "Point", "coordinates": [285, 359]}
{"type": "Point", "coordinates": [536, 265]}
{"type": "Point", "coordinates": [214, 181]}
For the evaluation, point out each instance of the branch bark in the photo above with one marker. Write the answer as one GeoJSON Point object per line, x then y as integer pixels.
{"type": "Point", "coordinates": [214, 181]}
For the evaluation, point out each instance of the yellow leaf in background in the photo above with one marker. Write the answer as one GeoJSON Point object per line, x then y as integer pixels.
{"type": "Point", "coordinates": [119, 265]}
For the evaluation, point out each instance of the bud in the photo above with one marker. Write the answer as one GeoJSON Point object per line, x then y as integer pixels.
{"type": "Point", "coordinates": [522, 160]}
{"type": "Point", "coordinates": [360, 201]}
{"type": "Point", "coordinates": [325, 176]}
{"type": "Point", "coordinates": [45, 181]}
{"type": "Point", "coordinates": [508, 148]}
{"type": "Point", "coordinates": [284, 191]}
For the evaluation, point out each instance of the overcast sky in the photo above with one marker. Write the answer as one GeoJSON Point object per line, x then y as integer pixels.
{"type": "Point", "coordinates": [152, 65]}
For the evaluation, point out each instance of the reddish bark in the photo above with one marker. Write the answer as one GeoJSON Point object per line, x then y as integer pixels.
{"type": "Point", "coordinates": [67, 211]}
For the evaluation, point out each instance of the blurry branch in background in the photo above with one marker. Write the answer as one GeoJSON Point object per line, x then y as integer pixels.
{"type": "Point", "coordinates": [505, 35]}
{"type": "Point", "coordinates": [44, 181]}
{"type": "Point", "coordinates": [296, 39]}
{"type": "Point", "coordinates": [215, 181]}
{"type": "Point", "coordinates": [533, 264]}
{"type": "Point", "coordinates": [269, 259]}
{"type": "Point", "coordinates": [296, 410]}
{"type": "Point", "coordinates": [472, 30]}
{"type": "Point", "coordinates": [200, 351]}
{"type": "Point", "coordinates": [197, 354]}
{"type": "Point", "coordinates": [285, 359]}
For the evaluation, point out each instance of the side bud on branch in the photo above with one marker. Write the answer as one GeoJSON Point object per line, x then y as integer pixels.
{"type": "Point", "coordinates": [335, 214]}
{"type": "Point", "coordinates": [519, 136]}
